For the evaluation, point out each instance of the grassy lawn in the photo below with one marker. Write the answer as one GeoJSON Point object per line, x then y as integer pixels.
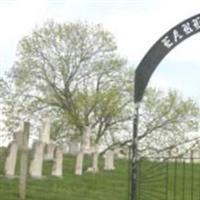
{"type": "Point", "coordinates": [158, 181]}
{"type": "Point", "coordinates": [105, 185]}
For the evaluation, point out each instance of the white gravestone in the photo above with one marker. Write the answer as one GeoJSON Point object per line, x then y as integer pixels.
{"type": "Point", "coordinates": [195, 156]}
{"type": "Point", "coordinates": [74, 148]}
{"type": "Point", "coordinates": [23, 149]}
{"type": "Point", "coordinates": [45, 133]}
{"type": "Point", "coordinates": [109, 160]}
{"type": "Point", "coordinates": [18, 137]}
{"type": "Point", "coordinates": [49, 151]}
{"type": "Point", "coordinates": [85, 146]}
{"type": "Point", "coordinates": [11, 159]}
{"type": "Point", "coordinates": [79, 163]}
{"type": "Point", "coordinates": [58, 162]}
{"type": "Point", "coordinates": [95, 158]}
{"type": "Point", "coordinates": [37, 162]}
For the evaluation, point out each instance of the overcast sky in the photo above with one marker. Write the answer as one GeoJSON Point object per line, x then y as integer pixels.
{"type": "Point", "coordinates": [136, 25]}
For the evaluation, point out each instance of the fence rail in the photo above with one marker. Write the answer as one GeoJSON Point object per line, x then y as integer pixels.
{"type": "Point", "coordinates": [169, 178]}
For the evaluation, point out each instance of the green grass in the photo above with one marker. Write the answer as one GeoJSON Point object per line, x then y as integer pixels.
{"type": "Point", "coordinates": [105, 185]}
{"type": "Point", "coordinates": [157, 180]}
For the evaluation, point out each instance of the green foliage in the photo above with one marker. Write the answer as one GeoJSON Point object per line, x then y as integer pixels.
{"type": "Point", "coordinates": [72, 71]}
{"type": "Point", "coordinates": [166, 120]}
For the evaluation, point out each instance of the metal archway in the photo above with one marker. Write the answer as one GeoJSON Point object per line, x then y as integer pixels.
{"type": "Point", "coordinates": [144, 72]}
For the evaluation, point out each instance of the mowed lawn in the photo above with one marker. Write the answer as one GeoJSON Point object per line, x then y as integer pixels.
{"type": "Point", "coordinates": [105, 185]}
{"type": "Point", "coordinates": [158, 181]}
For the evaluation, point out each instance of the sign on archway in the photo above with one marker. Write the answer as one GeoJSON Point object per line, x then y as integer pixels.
{"type": "Point", "coordinates": [144, 72]}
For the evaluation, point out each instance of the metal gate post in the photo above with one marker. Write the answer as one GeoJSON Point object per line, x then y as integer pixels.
{"type": "Point", "coordinates": [135, 161]}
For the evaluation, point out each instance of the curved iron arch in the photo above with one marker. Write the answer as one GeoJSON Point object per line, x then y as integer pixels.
{"type": "Point", "coordinates": [160, 49]}
{"type": "Point", "coordinates": [144, 72]}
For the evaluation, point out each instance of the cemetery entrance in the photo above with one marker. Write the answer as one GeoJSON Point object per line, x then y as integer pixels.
{"type": "Point", "coordinates": [162, 178]}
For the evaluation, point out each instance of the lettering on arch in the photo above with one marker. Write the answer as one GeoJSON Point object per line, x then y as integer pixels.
{"type": "Point", "coordinates": [160, 49]}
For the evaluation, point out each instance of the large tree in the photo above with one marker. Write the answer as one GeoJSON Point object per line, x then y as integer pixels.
{"type": "Point", "coordinates": [74, 72]}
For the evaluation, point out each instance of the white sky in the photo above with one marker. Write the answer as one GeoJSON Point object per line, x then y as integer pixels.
{"type": "Point", "coordinates": [136, 25]}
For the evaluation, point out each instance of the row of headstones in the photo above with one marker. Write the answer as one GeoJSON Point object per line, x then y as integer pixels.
{"type": "Point", "coordinates": [42, 152]}
{"type": "Point", "coordinates": [56, 154]}
{"type": "Point", "coordinates": [53, 152]}
{"type": "Point", "coordinates": [108, 161]}
{"type": "Point", "coordinates": [87, 149]}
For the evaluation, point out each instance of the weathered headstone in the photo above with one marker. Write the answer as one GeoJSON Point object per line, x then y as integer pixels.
{"type": "Point", "coordinates": [74, 148]}
{"type": "Point", "coordinates": [85, 145]}
{"type": "Point", "coordinates": [79, 163]}
{"type": "Point", "coordinates": [18, 137]}
{"type": "Point", "coordinates": [195, 156]}
{"type": "Point", "coordinates": [49, 151]}
{"type": "Point", "coordinates": [45, 133]}
{"type": "Point", "coordinates": [58, 162]}
{"type": "Point", "coordinates": [23, 149]}
{"type": "Point", "coordinates": [95, 158]}
{"type": "Point", "coordinates": [37, 162]}
{"type": "Point", "coordinates": [109, 160]}
{"type": "Point", "coordinates": [10, 163]}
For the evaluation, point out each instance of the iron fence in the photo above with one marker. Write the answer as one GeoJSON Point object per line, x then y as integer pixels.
{"type": "Point", "coordinates": [169, 178]}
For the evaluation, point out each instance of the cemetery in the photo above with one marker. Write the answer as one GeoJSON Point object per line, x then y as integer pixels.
{"type": "Point", "coordinates": [47, 164]}
{"type": "Point", "coordinates": [48, 167]}
{"type": "Point", "coordinates": [45, 150]}
{"type": "Point", "coordinates": [78, 121]}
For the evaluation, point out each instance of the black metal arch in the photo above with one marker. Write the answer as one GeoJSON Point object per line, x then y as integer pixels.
{"type": "Point", "coordinates": [160, 49]}
{"type": "Point", "coordinates": [144, 72]}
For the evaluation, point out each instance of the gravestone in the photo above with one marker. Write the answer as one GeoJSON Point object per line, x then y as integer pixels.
{"type": "Point", "coordinates": [85, 145]}
{"type": "Point", "coordinates": [37, 162]}
{"type": "Point", "coordinates": [58, 162]}
{"type": "Point", "coordinates": [195, 156]}
{"type": "Point", "coordinates": [86, 149]}
{"type": "Point", "coordinates": [95, 158]}
{"type": "Point", "coordinates": [45, 132]}
{"type": "Point", "coordinates": [18, 134]}
{"type": "Point", "coordinates": [79, 163]}
{"type": "Point", "coordinates": [49, 151]}
{"type": "Point", "coordinates": [10, 163]}
{"type": "Point", "coordinates": [23, 149]}
{"type": "Point", "coordinates": [109, 160]}
{"type": "Point", "coordinates": [74, 148]}
{"type": "Point", "coordinates": [18, 137]}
